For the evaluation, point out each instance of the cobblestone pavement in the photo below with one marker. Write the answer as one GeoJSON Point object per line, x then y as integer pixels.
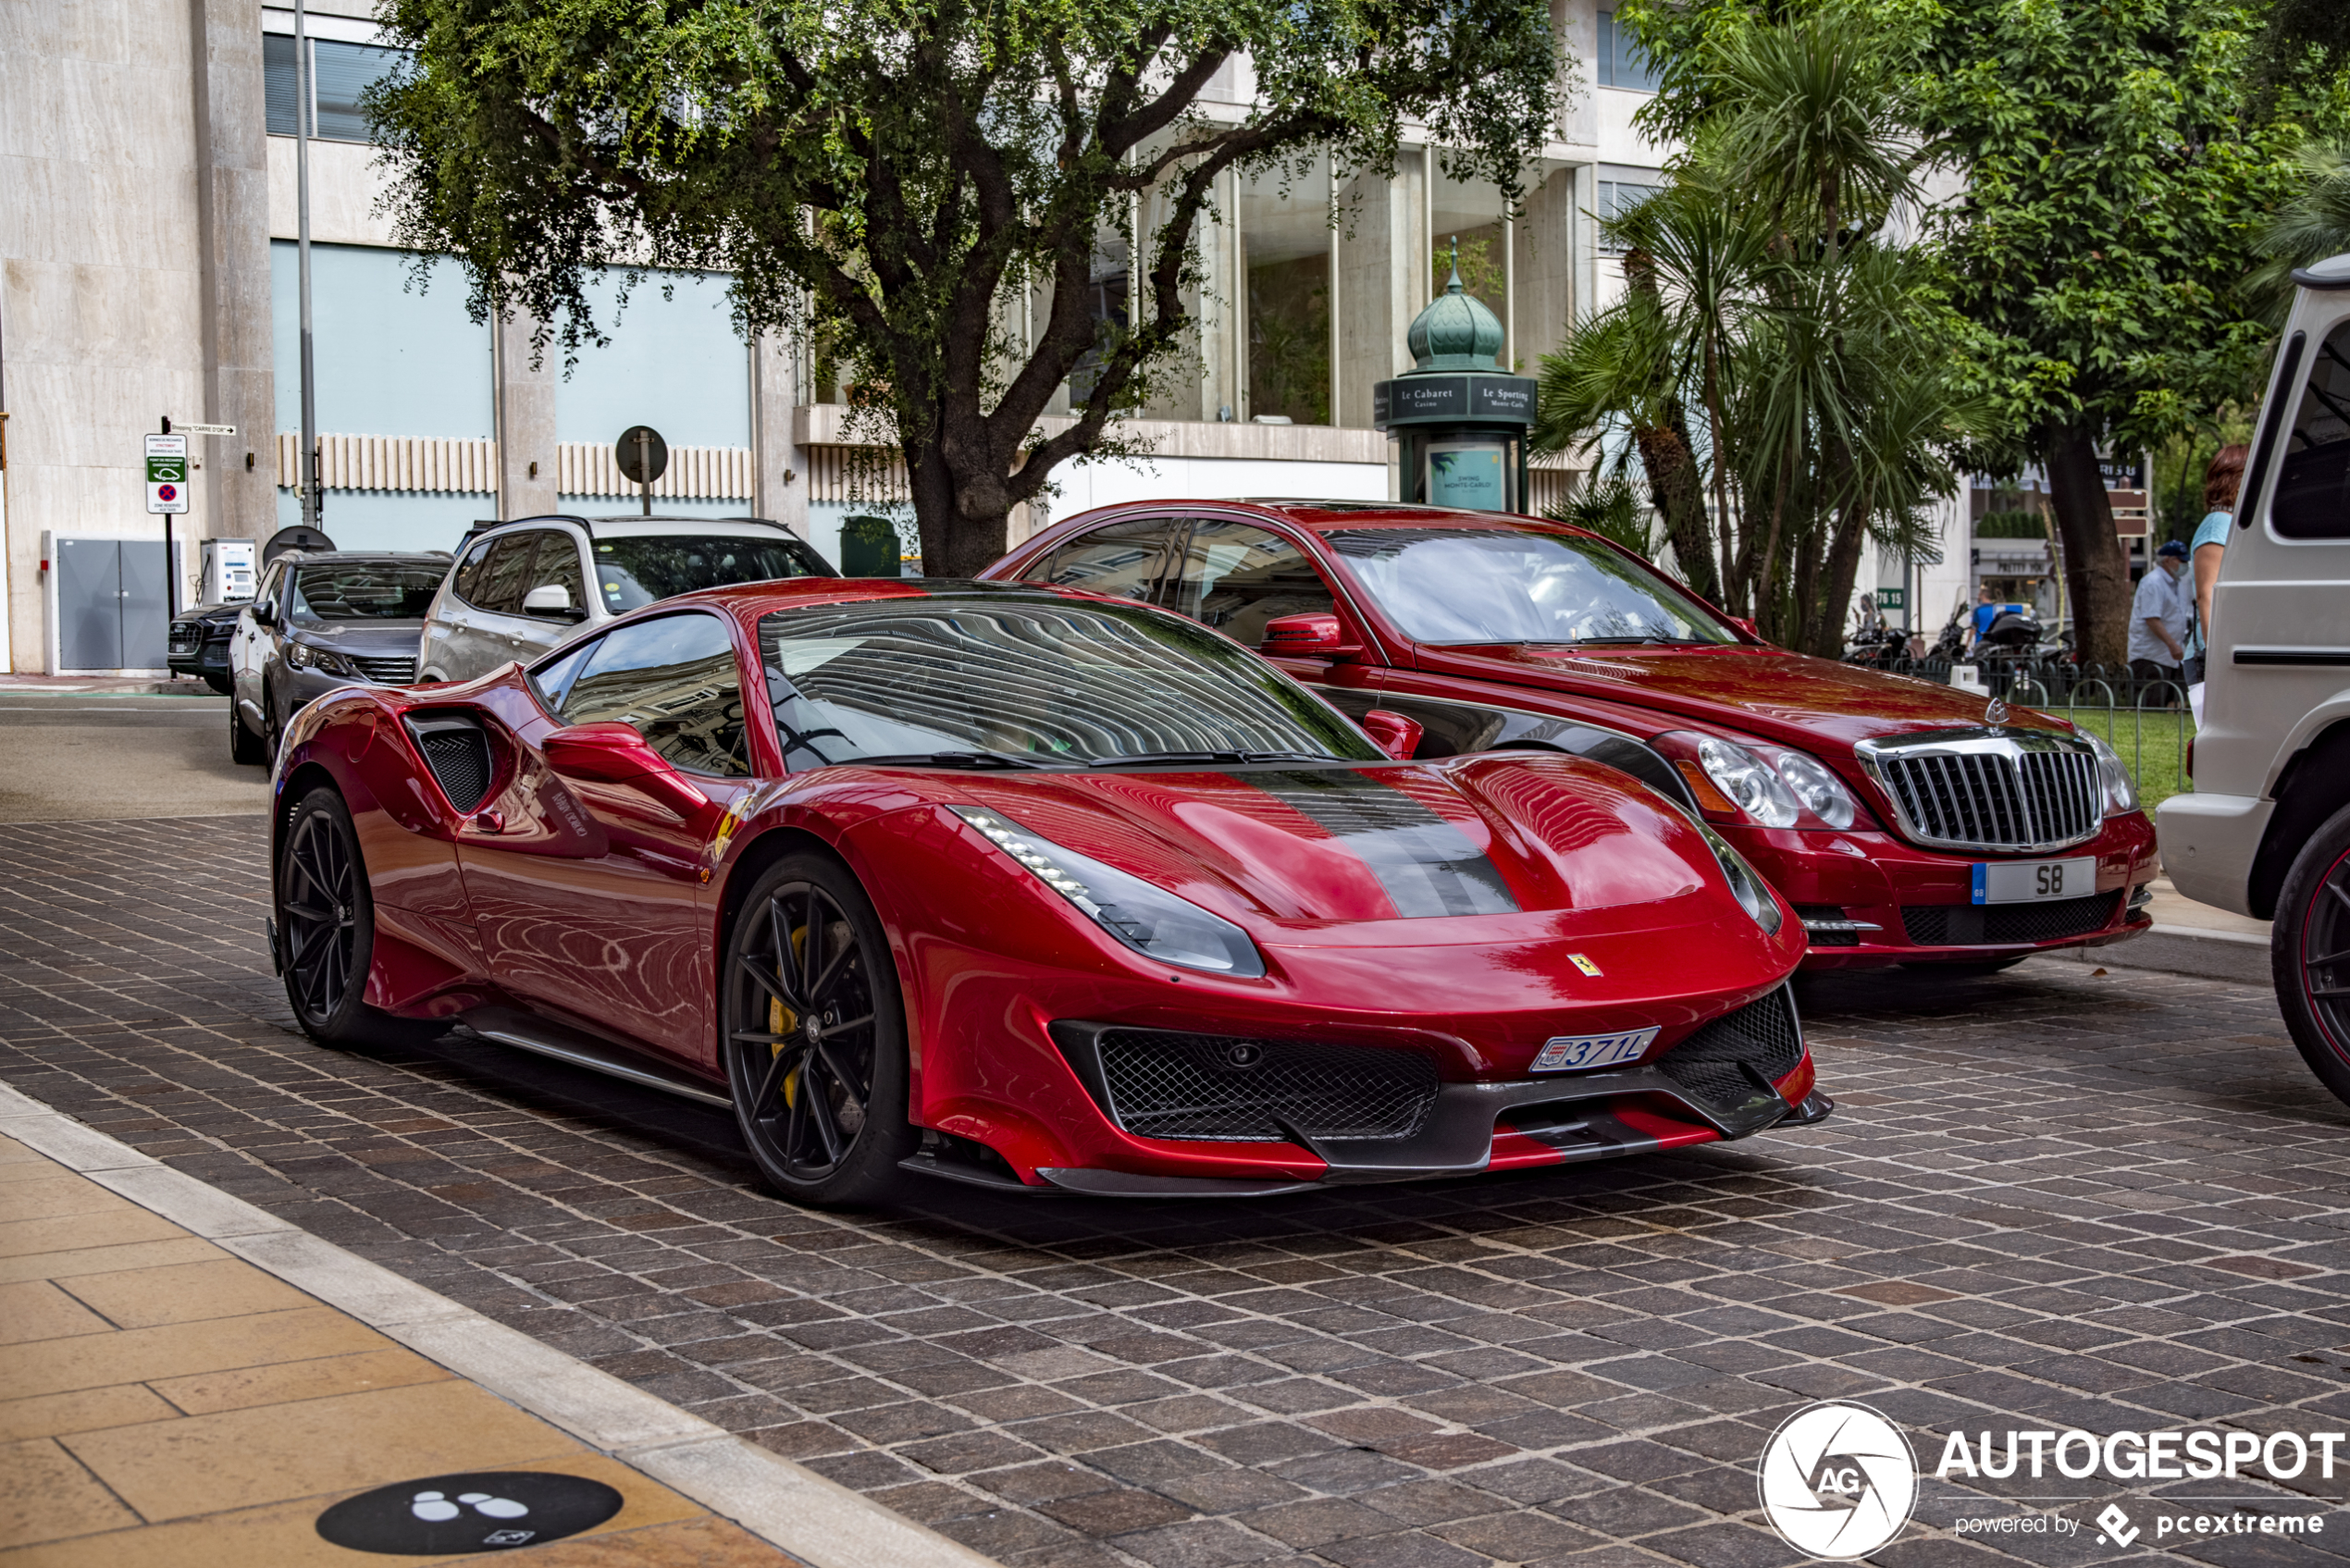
{"type": "Point", "coordinates": [2052, 1198]}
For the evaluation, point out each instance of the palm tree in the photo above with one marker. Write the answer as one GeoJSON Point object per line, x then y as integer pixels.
{"type": "Point", "coordinates": [2312, 226]}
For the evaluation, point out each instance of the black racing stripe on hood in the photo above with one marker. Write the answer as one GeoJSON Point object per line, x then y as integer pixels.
{"type": "Point", "coordinates": [1428, 866]}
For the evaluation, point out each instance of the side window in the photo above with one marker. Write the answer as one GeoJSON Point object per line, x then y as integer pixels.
{"type": "Point", "coordinates": [505, 577]}
{"type": "Point", "coordinates": [2313, 481]}
{"type": "Point", "coordinates": [273, 579]}
{"type": "Point", "coordinates": [675, 682]}
{"type": "Point", "coordinates": [553, 677]}
{"type": "Point", "coordinates": [1235, 578]}
{"type": "Point", "coordinates": [558, 564]}
{"type": "Point", "coordinates": [1125, 559]}
{"type": "Point", "coordinates": [467, 578]}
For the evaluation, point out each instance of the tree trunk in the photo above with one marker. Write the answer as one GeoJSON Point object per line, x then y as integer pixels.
{"type": "Point", "coordinates": [2096, 570]}
{"type": "Point", "coordinates": [1678, 492]}
{"type": "Point", "coordinates": [1824, 631]}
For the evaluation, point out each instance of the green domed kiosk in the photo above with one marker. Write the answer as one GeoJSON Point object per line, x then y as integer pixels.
{"type": "Point", "coordinates": [1459, 418]}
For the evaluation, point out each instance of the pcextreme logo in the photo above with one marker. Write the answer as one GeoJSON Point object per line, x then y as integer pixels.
{"type": "Point", "coordinates": [1837, 1480]}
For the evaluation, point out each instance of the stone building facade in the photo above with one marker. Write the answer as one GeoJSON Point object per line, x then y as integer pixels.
{"type": "Point", "coordinates": [146, 271]}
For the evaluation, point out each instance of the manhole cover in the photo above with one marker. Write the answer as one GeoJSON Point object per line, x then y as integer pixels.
{"type": "Point", "coordinates": [479, 1510]}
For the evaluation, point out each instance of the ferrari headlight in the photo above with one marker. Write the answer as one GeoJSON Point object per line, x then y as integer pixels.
{"type": "Point", "coordinates": [1749, 783]}
{"type": "Point", "coordinates": [1746, 882]}
{"type": "Point", "coordinates": [1150, 919]}
{"type": "Point", "coordinates": [2120, 794]}
{"type": "Point", "coordinates": [1820, 791]}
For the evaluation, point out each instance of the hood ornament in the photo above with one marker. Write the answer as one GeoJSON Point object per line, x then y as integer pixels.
{"type": "Point", "coordinates": [1994, 713]}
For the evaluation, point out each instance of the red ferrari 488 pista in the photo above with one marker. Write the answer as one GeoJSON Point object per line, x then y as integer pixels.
{"type": "Point", "coordinates": [1031, 888]}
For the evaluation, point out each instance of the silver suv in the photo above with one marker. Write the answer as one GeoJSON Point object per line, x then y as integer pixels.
{"type": "Point", "coordinates": [2267, 831]}
{"type": "Point", "coordinates": [521, 587]}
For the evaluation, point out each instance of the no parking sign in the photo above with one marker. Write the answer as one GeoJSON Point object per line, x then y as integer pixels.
{"type": "Point", "coordinates": [166, 474]}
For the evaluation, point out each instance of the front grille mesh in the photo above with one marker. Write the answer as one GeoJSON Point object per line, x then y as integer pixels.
{"type": "Point", "coordinates": [393, 671]}
{"type": "Point", "coordinates": [1202, 1087]}
{"type": "Point", "coordinates": [1968, 925]}
{"type": "Point", "coordinates": [1763, 1034]}
{"type": "Point", "coordinates": [2015, 798]}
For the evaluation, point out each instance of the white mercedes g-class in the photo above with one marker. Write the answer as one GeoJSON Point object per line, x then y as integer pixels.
{"type": "Point", "coordinates": [2267, 831]}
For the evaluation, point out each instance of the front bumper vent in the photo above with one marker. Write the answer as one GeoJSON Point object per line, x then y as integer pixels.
{"type": "Point", "coordinates": [1989, 925]}
{"type": "Point", "coordinates": [1740, 1054]}
{"type": "Point", "coordinates": [1227, 1088]}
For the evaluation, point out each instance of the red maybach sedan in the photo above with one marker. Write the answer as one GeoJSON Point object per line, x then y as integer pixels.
{"type": "Point", "coordinates": [1905, 820]}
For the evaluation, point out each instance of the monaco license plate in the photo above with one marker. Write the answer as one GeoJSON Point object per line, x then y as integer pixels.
{"type": "Point", "coordinates": [1569, 1053]}
{"type": "Point", "coordinates": [2030, 881]}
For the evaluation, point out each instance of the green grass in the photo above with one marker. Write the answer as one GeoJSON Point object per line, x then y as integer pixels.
{"type": "Point", "coordinates": [2152, 743]}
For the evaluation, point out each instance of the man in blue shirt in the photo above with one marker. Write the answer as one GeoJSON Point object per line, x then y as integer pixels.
{"type": "Point", "coordinates": [1988, 608]}
{"type": "Point", "coordinates": [2158, 616]}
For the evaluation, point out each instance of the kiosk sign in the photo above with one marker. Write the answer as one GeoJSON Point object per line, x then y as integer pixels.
{"type": "Point", "coordinates": [166, 474]}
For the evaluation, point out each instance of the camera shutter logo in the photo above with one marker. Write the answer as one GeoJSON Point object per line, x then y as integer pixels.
{"type": "Point", "coordinates": [1837, 1480]}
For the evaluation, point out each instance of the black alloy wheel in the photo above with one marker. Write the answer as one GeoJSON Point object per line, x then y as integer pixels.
{"type": "Point", "coordinates": [2310, 952]}
{"type": "Point", "coordinates": [272, 734]}
{"type": "Point", "coordinates": [815, 1035]}
{"type": "Point", "coordinates": [327, 929]}
{"type": "Point", "coordinates": [244, 747]}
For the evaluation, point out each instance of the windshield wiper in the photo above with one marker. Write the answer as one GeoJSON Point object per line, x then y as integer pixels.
{"type": "Point", "coordinates": [941, 760]}
{"type": "Point", "coordinates": [1150, 758]}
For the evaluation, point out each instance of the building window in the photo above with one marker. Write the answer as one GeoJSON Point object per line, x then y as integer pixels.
{"type": "Point", "coordinates": [339, 76]}
{"type": "Point", "coordinates": [1617, 198]}
{"type": "Point", "coordinates": [1622, 62]}
{"type": "Point", "coordinates": [1286, 244]}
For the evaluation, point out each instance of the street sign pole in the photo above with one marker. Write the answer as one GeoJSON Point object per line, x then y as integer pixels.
{"type": "Point", "coordinates": [167, 470]}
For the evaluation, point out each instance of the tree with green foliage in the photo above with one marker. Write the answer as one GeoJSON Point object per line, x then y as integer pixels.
{"type": "Point", "coordinates": [890, 173]}
{"type": "Point", "coordinates": [2114, 182]}
{"type": "Point", "coordinates": [1767, 304]}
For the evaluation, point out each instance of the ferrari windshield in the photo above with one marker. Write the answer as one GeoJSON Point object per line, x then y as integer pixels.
{"type": "Point", "coordinates": [1522, 585]}
{"type": "Point", "coordinates": [633, 572]}
{"type": "Point", "coordinates": [1006, 678]}
{"type": "Point", "coordinates": [354, 590]}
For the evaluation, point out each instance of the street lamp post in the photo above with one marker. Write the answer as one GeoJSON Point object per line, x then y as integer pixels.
{"type": "Point", "coordinates": [305, 88]}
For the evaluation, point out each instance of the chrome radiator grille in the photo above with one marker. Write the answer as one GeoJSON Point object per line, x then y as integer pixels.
{"type": "Point", "coordinates": [387, 669]}
{"type": "Point", "coordinates": [1991, 791]}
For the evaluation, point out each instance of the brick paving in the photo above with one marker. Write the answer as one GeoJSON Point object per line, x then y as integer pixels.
{"type": "Point", "coordinates": [2105, 1200]}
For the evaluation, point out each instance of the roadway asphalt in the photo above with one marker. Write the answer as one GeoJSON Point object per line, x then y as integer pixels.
{"type": "Point", "coordinates": [96, 756]}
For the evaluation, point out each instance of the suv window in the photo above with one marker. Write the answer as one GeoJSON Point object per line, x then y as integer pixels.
{"type": "Point", "coordinates": [1235, 578]}
{"type": "Point", "coordinates": [557, 563]}
{"type": "Point", "coordinates": [2310, 499]}
{"type": "Point", "coordinates": [467, 579]}
{"type": "Point", "coordinates": [1125, 559]}
{"type": "Point", "coordinates": [504, 577]}
{"type": "Point", "coordinates": [673, 680]}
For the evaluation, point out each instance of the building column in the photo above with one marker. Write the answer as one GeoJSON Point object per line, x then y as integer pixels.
{"type": "Point", "coordinates": [525, 403]}
{"type": "Point", "coordinates": [779, 468]}
{"type": "Point", "coordinates": [239, 490]}
{"type": "Point", "coordinates": [1382, 252]}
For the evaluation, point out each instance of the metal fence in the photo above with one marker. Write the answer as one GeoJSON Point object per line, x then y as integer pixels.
{"type": "Point", "coordinates": [2144, 720]}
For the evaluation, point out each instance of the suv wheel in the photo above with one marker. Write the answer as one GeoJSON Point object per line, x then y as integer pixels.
{"type": "Point", "coordinates": [2309, 951]}
{"type": "Point", "coordinates": [244, 747]}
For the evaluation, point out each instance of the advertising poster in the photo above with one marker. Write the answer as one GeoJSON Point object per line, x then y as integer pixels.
{"type": "Point", "coordinates": [1469, 475]}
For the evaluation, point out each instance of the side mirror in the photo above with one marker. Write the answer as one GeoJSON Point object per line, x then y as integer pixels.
{"type": "Point", "coordinates": [550, 601]}
{"type": "Point", "coordinates": [1749, 627]}
{"type": "Point", "coordinates": [265, 613]}
{"type": "Point", "coordinates": [1395, 734]}
{"type": "Point", "coordinates": [614, 753]}
{"type": "Point", "coordinates": [1318, 635]}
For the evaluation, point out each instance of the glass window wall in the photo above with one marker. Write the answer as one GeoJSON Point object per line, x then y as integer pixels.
{"type": "Point", "coordinates": [339, 76]}
{"type": "Point", "coordinates": [1285, 240]}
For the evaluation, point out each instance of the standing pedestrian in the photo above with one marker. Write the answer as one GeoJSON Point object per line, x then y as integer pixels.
{"type": "Point", "coordinates": [2220, 482]}
{"type": "Point", "coordinates": [2158, 617]}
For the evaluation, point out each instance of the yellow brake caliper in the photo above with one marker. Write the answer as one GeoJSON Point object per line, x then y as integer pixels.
{"type": "Point", "coordinates": [783, 1021]}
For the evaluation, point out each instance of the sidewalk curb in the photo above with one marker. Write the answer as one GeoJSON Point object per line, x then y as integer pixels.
{"type": "Point", "coordinates": [2189, 950]}
{"type": "Point", "coordinates": [822, 1523]}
